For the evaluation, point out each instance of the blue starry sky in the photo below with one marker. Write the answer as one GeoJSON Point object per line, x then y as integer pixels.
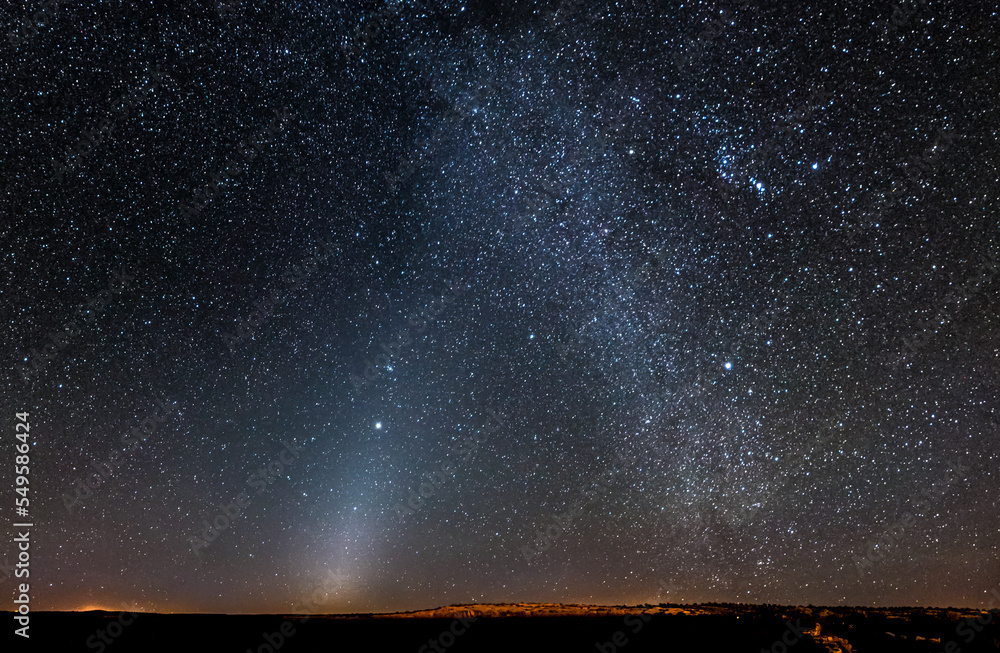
{"type": "Point", "coordinates": [383, 306]}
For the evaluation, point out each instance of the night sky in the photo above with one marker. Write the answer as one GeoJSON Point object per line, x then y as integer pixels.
{"type": "Point", "coordinates": [384, 306]}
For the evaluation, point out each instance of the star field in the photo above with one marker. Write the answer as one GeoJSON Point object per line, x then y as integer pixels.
{"type": "Point", "coordinates": [425, 303]}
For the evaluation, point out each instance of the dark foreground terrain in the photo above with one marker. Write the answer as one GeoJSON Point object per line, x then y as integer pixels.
{"type": "Point", "coordinates": [529, 627]}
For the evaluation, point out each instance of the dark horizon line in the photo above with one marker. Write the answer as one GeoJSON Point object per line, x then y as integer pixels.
{"type": "Point", "coordinates": [639, 606]}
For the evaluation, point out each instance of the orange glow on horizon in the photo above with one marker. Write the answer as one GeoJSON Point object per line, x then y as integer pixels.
{"type": "Point", "coordinates": [110, 608]}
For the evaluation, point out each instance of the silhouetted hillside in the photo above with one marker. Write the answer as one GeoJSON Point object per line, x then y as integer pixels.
{"type": "Point", "coordinates": [526, 627]}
